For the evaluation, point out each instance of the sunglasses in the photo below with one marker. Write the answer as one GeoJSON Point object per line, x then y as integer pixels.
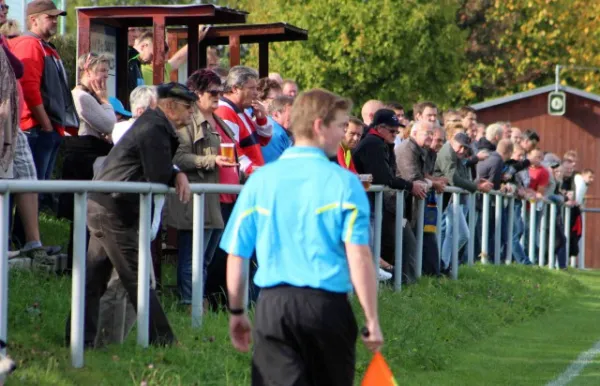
{"type": "Point", "coordinates": [4, 7]}
{"type": "Point", "coordinates": [215, 92]}
{"type": "Point", "coordinates": [187, 105]}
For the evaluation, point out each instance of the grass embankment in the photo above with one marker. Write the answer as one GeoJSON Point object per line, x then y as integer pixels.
{"type": "Point", "coordinates": [435, 332]}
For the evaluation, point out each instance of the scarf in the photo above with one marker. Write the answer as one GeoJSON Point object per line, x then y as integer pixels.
{"type": "Point", "coordinates": [341, 158]}
{"type": "Point", "coordinates": [9, 114]}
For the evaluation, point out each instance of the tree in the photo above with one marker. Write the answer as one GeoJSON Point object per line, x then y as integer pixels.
{"type": "Point", "coordinates": [389, 49]}
{"type": "Point", "coordinates": [513, 45]}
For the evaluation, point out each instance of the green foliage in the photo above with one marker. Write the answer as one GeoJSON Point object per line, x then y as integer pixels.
{"type": "Point", "coordinates": [391, 50]}
{"type": "Point", "coordinates": [515, 44]}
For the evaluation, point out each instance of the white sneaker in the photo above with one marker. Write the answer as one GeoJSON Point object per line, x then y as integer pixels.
{"type": "Point", "coordinates": [383, 275]}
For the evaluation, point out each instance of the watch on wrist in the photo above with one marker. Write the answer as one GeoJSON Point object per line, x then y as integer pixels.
{"type": "Point", "coordinates": [236, 311]}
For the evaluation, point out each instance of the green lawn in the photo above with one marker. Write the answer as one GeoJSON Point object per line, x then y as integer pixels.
{"type": "Point", "coordinates": [495, 326]}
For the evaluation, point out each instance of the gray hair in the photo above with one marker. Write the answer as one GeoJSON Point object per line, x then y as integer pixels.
{"type": "Point", "coordinates": [142, 97]}
{"type": "Point", "coordinates": [419, 125]}
{"type": "Point", "coordinates": [238, 76]}
{"type": "Point", "coordinates": [494, 130]}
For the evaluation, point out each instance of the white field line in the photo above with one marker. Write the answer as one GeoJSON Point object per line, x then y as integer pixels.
{"type": "Point", "coordinates": [584, 359]}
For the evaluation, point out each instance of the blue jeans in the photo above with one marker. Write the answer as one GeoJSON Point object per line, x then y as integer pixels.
{"type": "Point", "coordinates": [518, 229]}
{"type": "Point", "coordinates": [463, 234]}
{"type": "Point", "coordinates": [184, 259]}
{"type": "Point", "coordinates": [44, 148]}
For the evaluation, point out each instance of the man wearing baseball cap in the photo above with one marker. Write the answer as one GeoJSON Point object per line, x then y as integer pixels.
{"type": "Point", "coordinates": [375, 155]}
{"type": "Point", "coordinates": [49, 107]}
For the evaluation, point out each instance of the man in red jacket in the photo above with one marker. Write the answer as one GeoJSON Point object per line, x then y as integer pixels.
{"type": "Point", "coordinates": [241, 92]}
{"type": "Point", "coordinates": [48, 102]}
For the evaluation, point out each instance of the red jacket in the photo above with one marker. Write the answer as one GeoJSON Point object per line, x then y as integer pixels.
{"type": "Point", "coordinates": [341, 158]}
{"type": "Point", "coordinates": [29, 50]}
{"type": "Point", "coordinates": [249, 136]}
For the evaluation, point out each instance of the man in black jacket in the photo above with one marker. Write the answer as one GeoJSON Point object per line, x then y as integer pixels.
{"type": "Point", "coordinates": [374, 156]}
{"type": "Point", "coordinates": [144, 154]}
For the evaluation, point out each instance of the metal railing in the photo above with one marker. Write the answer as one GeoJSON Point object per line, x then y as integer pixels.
{"type": "Point", "coordinates": [146, 190]}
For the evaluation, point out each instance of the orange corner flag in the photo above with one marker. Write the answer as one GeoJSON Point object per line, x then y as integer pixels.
{"type": "Point", "coordinates": [379, 373]}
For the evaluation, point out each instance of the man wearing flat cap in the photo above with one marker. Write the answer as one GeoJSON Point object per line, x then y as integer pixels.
{"type": "Point", "coordinates": [144, 154]}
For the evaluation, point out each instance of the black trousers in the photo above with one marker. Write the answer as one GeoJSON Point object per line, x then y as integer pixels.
{"type": "Point", "coordinates": [114, 243]}
{"type": "Point", "coordinates": [303, 336]}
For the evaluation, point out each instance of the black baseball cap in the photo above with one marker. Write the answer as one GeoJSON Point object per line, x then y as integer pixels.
{"type": "Point", "coordinates": [463, 139]}
{"type": "Point", "coordinates": [386, 117]}
{"type": "Point", "coordinates": [177, 91]}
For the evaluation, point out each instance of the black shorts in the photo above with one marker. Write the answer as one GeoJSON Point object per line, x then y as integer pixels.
{"type": "Point", "coordinates": [303, 336]}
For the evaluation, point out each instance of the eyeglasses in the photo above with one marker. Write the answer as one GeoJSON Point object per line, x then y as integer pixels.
{"type": "Point", "coordinates": [4, 7]}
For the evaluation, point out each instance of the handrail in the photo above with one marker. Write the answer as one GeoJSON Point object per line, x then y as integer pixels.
{"type": "Point", "coordinates": [80, 189]}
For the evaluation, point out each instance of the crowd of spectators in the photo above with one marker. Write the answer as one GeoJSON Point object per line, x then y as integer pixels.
{"type": "Point", "coordinates": [218, 108]}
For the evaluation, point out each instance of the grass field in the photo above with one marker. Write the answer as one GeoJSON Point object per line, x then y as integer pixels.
{"type": "Point", "coordinates": [494, 326]}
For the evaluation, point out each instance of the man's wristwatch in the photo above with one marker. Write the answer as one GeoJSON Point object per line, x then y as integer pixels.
{"type": "Point", "coordinates": [236, 311]}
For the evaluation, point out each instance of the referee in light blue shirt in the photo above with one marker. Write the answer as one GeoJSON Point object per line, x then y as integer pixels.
{"type": "Point", "coordinates": [308, 220]}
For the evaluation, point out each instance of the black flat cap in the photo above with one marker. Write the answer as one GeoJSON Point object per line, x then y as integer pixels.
{"type": "Point", "coordinates": [177, 91]}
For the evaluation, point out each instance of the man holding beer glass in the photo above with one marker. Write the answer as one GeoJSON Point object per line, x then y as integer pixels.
{"type": "Point", "coordinates": [206, 147]}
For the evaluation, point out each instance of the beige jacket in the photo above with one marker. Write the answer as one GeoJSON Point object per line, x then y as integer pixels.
{"type": "Point", "coordinates": [196, 156]}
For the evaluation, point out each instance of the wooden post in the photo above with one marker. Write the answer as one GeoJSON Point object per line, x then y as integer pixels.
{"type": "Point", "coordinates": [83, 26]}
{"type": "Point", "coordinates": [202, 56]}
{"type": "Point", "coordinates": [173, 40]}
{"type": "Point", "coordinates": [234, 50]}
{"type": "Point", "coordinates": [263, 59]}
{"type": "Point", "coordinates": [159, 49]}
{"type": "Point", "coordinates": [192, 49]}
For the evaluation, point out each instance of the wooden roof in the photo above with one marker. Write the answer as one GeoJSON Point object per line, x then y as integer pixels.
{"type": "Point", "coordinates": [141, 15]}
{"type": "Point", "coordinates": [530, 93]}
{"type": "Point", "coordinates": [252, 33]}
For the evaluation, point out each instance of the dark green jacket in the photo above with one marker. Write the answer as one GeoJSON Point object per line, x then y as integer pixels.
{"type": "Point", "coordinates": [450, 166]}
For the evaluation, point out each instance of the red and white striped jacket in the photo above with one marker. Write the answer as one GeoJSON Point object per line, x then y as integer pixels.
{"type": "Point", "coordinates": [249, 135]}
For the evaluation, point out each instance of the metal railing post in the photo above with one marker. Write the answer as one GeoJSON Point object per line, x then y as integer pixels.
{"type": "Point", "coordinates": [552, 237]}
{"type": "Point", "coordinates": [377, 230]}
{"type": "Point", "coordinates": [581, 257]}
{"type": "Point", "coordinates": [568, 235]}
{"type": "Point", "coordinates": [143, 293]}
{"type": "Point", "coordinates": [472, 223]}
{"type": "Point", "coordinates": [524, 220]}
{"type": "Point", "coordinates": [532, 226]}
{"type": "Point", "coordinates": [510, 230]}
{"type": "Point", "coordinates": [543, 239]}
{"type": "Point", "coordinates": [498, 229]}
{"type": "Point", "coordinates": [78, 280]}
{"type": "Point", "coordinates": [197, 259]}
{"type": "Point", "coordinates": [485, 228]}
{"type": "Point", "coordinates": [440, 213]}
{"type": "Point", "coordinates": [4, 230]}
{"type": "Point", "coordinates": [399, 240]}
{"type": "Point", "coordinates": [455, 213]}
{"type": "Point", "coordinates": [419, 235]}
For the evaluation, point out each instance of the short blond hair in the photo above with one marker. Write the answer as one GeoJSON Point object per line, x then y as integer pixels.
{"type": "Point", "coordinates": [453, 128]}
{"type": "Point", "coordinates": [312, 105]}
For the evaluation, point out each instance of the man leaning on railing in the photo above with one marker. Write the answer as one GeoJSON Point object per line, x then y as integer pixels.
{"type": "Point", "coordinates": [450, 164]}
{"type": "Point", "coordinates": [144, 154]}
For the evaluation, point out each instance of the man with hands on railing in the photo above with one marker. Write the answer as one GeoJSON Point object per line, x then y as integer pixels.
{"type": "Point", "coordinates": [374, 156]}
{"type": "Point", "coordinates": [144, 154]}
{"type": "Point", "coordinates": [312, 247]}
{"type": "Point", "coordinates": [449, 164]}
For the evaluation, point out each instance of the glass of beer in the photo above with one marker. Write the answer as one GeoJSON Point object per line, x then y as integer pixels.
{"type": "Point", "coordinates": [227, 152]}
{"type": "Point", "coordinates": [366, 180]}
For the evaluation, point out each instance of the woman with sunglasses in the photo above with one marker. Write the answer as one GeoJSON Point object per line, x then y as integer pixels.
{"type": "Point", "coordinates": [200, 158]}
